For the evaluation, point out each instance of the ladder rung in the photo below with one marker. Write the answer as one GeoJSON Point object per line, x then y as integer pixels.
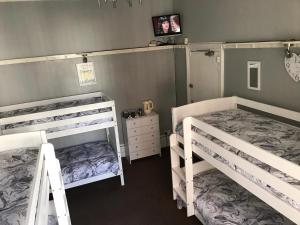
{"type": "Point", "coordinates": [180, 172]}
{"type": "Point", "coordinates": [179, 139]}
{"type": "Point", "coordinates": [179, 151]}
{"type": "Point", "coordinates": [180, 193]}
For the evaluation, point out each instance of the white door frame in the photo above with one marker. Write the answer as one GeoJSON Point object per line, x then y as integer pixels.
{"type": "Point", "coordinates": [217, 46]}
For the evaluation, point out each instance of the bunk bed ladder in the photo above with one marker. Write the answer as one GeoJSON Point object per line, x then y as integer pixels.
{"type": "Point", "coordinates": [117, 147]}
{"type": "Point", "coordinates": [57, 186]}
{"type": "Point", "coordinates": [181, 174]}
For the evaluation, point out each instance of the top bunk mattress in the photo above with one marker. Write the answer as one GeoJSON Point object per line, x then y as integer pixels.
{"type": "Point", "coordinates": [278, 138]}
{"type": "Point", "coordinates": [58, 106]}
{"type": "Point", "coordinates": [17, 170]}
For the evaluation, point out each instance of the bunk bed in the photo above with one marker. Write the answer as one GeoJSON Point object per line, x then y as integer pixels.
{"type": "Point", "coordinates": [28, 168]}
{"type": "Point", "coordinates": [61, 117]}
{"type": "Point", "coordinates": [259, 153]}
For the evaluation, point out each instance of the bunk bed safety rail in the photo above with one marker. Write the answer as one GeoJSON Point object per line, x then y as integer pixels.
{"type": "Point", "coordinates": [208, 150]}
{"type": "Point", "coordinates": [277, 111]}
{"type": "Point", "coordinates": [194, 109]}
{"type": "Point", "coordinates": [220, 104]}
{"type": "Point", "coordinates": [52, 101]}
{"type": "Point", "coordinates": [59, 122]}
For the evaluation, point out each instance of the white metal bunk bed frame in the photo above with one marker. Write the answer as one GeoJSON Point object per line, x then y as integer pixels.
{"type": "Point", "coordinates": [47, 175]}
{"type": "Point", "coordinates": [111, 127]}
{"type": "Point", "coordinates": [186, 173]}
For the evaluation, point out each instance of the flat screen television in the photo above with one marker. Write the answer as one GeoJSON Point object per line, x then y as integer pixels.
{"type": "Point", "coordinates": [167, 25]}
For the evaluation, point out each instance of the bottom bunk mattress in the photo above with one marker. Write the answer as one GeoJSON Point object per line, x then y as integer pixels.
{"type": "Point", "coordinates": [17, 171]}
{"type": "Point", "coordinates": [87, 160]}
{"type": "Point", "coordinates": [220, 200]}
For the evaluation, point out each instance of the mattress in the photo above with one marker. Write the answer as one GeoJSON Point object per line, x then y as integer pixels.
{"type": "Point", "coordinates": [219, 200]}
{"type": "Point", "coordinates": [271, 135]}
{"type": "Point", "coordinates": [87, 160]}
{"type": "Point", "coordinates": [17, 169]}
{"type": "Point", "coordinates": [57, 106]}
{"type": "Point", "coordinates": [52, 220]}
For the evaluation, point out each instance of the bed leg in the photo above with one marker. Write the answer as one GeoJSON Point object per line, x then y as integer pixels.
{"type": "Point", "coordinates": [188, 161]}
{"type": "Point", "coordinates": [122, 179]}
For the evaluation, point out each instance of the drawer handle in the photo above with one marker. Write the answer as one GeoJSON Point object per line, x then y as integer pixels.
{"type": "Point", "coordinates": [136, 139]}
{"type": "Point", "coordinates": [152, 135]}
{"type": "Point", "coordinates": [134, 131]}
{"type": "Point", "coordinates": [136, 146]}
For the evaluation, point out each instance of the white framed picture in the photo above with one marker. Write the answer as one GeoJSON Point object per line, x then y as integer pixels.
{"type": "Point", "coordinates": [254, 75]}
{"type": "Point", "coordinates": [86, 74]}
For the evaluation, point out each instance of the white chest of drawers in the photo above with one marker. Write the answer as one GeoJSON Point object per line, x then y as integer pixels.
{"type": "Point", "coordinates": [142, 136]}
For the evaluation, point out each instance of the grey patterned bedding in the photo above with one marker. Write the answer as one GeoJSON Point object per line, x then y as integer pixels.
{"type": "Point", "coordinates": [220, 200]}
{"type": "Point", "coordinates": [87, 160]}
{"type": "Point", "coordinates": [17, 168]}
{"type": "Point", "coordinates": [278, 138]}
{"type": "Point", "coordinates": [52, 220]}
{"type": "Point", "coordinates": [56, 106]}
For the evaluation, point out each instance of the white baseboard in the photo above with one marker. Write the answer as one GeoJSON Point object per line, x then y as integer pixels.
{"type": "Point", "coordinates": [164, 142]}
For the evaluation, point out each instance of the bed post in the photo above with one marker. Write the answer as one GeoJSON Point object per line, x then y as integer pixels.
{"type": "Point", "coordinates": [1, 127]}
{"type": "Point", "coordinates": [175, 163]}
{"type": "Point", "coordinates": [188, 159]}
{"type": "Point", "coordinates": [174, 120]}
{"type": "Point", "coordinates": [117, 142]}
{"type": "Point", "coordinates": [57, 184]}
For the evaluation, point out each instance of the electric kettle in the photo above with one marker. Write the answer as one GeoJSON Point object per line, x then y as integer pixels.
{"type": "Point", "coordinates": [148, 106]}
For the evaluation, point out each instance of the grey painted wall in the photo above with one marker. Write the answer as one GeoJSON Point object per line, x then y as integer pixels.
{"type": "Point", "coordinates": [236, 20]}
{"type": "Point", "coordinates": [56, 27]}
{"type": "Point", "coordinates": [46, 28]}
{"type": "Point", "coordinates": [247, 20]}
{"type": "Point", "coordinates": [277, 87]}
{"type": "Point", "coordinates": [180, 78]}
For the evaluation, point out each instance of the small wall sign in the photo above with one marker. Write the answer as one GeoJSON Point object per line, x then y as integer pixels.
{"type": "Point", "coordinates": [292, 66]}
{"type": "Point", "coordinates": [86, 74]}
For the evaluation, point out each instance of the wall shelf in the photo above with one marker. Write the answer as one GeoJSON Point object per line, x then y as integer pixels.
{"type": "Point", "coordinates": [241, 45]}
{"type": "Point", "coordinates": [88, 54]}
{"type": "Point", "coordinates": [266, 44]}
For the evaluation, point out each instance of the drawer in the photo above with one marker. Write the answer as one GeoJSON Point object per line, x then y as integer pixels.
{"type": "Point", "coordinates": [142, 138]}
{"type": "Point", "coordinates": [140, 122]}
{"type": "Point", "coordinates": [143, 130]}
{"type": "Point", "coordinates": [147, 145]}
{"type": "Point", "coordinates": [142, 154]}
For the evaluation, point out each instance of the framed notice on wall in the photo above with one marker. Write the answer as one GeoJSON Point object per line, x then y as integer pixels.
{"type": "Point", "coordinates": [86, 74]}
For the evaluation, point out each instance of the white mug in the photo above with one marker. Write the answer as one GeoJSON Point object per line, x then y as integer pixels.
{"type": "Point", "coordinates": [185, 41]}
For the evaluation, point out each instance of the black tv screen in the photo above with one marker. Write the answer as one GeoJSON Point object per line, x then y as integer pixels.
{"type": "Point", "coordinates": [167, 25]}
